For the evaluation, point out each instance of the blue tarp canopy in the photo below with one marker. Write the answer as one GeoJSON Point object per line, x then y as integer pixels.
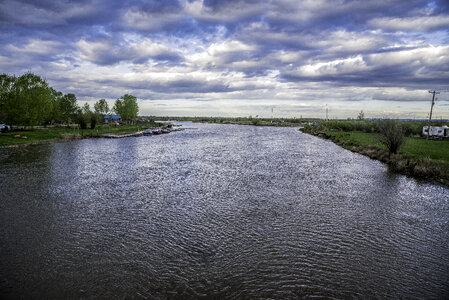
{"type": "Point", "coordinates": [112, 117]}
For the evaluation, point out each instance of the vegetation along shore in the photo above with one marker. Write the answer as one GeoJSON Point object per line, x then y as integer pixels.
{"type": "Point", "coordinates": [37, 114]}
{"type": "Point", "coordinates": [414, 156]}
{"type": "Point", "coordinates": [48, 134]}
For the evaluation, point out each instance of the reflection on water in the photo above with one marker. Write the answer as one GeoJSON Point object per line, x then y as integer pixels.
{"type": "Point", "coordinates": [222, 211]}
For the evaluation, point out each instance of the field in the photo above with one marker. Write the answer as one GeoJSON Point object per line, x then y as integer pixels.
{"type": "Point", "coordinates": [414, 147]}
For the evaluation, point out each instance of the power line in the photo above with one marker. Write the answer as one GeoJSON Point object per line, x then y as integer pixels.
{"type": "Point", "coordinates": [431, 110]}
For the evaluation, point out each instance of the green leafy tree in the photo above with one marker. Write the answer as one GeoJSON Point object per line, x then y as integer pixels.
{"type": "Point", "coordinates": [101, 108]}
{"type": "Point", "coordinates": [68, 108]}
{"type": "Point", "coordinates": [31, 100]}
{"type": "Point", "coordinates": [56, 98]}
{"type": "Point", "coordinates": [7, 83]}
{"type": "Point", "coordinates": [127, 107]}
{"type": "Point", "coordinates": [119, 108]}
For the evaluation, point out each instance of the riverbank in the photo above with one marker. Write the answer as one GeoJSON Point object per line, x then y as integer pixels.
{"type": "Point", "coordinates": [418, 158]}
{"type": "Point", "coordinates": [63, 133]}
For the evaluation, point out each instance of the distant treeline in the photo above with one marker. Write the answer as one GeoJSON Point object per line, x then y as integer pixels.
{"type": "Point", "coordinates": [409, 128]}
{"type": "Point", "coordinates": [240, 120]}
{"type": "Point", "coordinates": [28, 100]}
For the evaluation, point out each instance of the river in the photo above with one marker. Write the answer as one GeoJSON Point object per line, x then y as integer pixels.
{"type": "Point", "coordinates": [223, 211]}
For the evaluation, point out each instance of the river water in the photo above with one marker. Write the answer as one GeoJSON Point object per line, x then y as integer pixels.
{"type": "Point", "coordinates": [223, 211]}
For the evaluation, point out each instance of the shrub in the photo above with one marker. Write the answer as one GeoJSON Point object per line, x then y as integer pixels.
{"type": "Point", "coordinates": [391, 135]}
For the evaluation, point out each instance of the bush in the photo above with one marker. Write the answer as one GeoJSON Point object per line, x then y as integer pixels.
{"type": "Point", "coordinates": [391, 135]}
{"type": "Point", "coordinates": [93, 121]}
{"type": "Point", "coordinates": [83, 124]}
{"type": "Point", "coordinates": [407, 129]}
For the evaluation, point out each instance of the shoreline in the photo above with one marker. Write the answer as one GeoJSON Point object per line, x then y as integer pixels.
{"type": "Point", "coordinates": [131, 131]}
{"type": "Point", "coordinates": [60, 134]}
{"type": "Point", "coordinates": [423, 168]}
{"type": "Point", "coordinates": [61, 140]}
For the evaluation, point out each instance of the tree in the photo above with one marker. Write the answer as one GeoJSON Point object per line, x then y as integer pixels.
{"type": "Point", "coordinates": [361, 116]}
{"type": "Point", "coordinates": [6, 85]}
{"type": "Point", "coordinates": [84, 116]}
{"type": "Point", "coordinates": [30, 100]}
{"type": "Point", "coordinates": [391, 135]}
{"type": "Point", "coordinates": [55, 115]}
{"type": "Point", "coordinates": [127, 107]}
{"type": "Point", "coordinates": [101, 107]}
{"type": "Point", "coordinates": [119, 108]}
{"type": "Point", "coordinates": [68, 108]}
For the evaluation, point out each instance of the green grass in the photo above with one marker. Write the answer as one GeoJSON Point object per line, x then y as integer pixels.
{"type": "Point", "coordinates": [414, 147]}
{"type": "Point", "coordinates": [356, 138]}
{"type": "Point", "coordinates": [32, 136]}
{"type": "Point", "coordinates": [50, 134]}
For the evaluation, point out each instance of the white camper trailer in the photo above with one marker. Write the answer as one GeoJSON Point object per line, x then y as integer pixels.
{"type": "Point", "coordinates": [438, 132]}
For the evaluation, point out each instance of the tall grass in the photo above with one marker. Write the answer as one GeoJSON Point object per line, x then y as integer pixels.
{"type": "Point", "coordinates": [409, 128]}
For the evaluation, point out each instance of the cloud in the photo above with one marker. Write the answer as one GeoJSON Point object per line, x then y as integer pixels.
{"type": "Point", "coordinates": [109, 52]}
{"type": "Point", "coordinates": [37, 47]}
{"type": "Point", "coordinates": [410, 67]}
{"type": "Point", "coordinates": [338, 51]}
{"type": "Point", "coordinates": [136, 19]}
{"type": "Point", "coordinates": [422, 24]}
{"type": "Point", "coordinates": [45, 13]}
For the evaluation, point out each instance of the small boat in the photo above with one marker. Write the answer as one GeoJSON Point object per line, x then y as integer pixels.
{"type": "Point", "coordinates": [157, 131]}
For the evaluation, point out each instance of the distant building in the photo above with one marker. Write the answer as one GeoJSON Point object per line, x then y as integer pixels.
{"type": "Point", "coordinates": [112, 119]}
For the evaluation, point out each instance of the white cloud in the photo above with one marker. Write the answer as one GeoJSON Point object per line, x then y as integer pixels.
{"type": "Point", "coordinates": [343, 41]}
{"type": "Point", "coordinates": [227, 12]}
{"type": "Point", "coordinates": [334, 67]}
{"type": "Point", "coordinates": [422, 23]}
{"type": "Point", "coordinates": [104, 52]}
{"type": "Point", "coordinates": [140, 20]}
{"type": "Point", "coordinates": [221, 54]}
{"type": "Point", "coordinates": [37, 46]}
{"type": "Point", "coordinates": [420, 57]}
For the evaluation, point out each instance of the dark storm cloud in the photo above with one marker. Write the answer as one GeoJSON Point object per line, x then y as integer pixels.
{"type": "Point", "coordinates": [212, 46]}
{"type": "Point", "coordinates": [179, 84]}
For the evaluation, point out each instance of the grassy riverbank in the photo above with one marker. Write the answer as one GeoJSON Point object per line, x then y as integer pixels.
{"type": "Point", "coordinates": [417, 158]}
{"type": "Point", "coordinates": [62, 133]}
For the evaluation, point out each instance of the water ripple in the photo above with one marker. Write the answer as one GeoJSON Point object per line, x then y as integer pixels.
{"type": "Point", "coordinates": [220, 212]}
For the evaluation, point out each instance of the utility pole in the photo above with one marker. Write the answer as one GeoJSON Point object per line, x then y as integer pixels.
{"type": "Point", "coordinates": [327, 113]}
{"type": "Point", "coordinates": [430, 115]}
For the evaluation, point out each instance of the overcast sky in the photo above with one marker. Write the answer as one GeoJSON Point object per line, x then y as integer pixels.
{"type": "Point", "coordinates": [288, 58]}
